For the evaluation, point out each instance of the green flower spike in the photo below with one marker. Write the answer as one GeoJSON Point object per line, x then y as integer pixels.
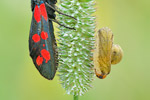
{"type": "Point", "coordinates": [75, 64]}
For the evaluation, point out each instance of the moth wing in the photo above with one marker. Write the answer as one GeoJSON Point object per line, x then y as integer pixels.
{"type": "Point", "coordinates": [51, 29]}
{"type": "Point", "coordinates": [40, 43]}
{"type": "Point", "coordinates": [102, 52]}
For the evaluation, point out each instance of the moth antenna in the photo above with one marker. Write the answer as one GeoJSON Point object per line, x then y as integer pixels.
{"type": "Point", "coordinates": [59, 11]}
{"type": "Point", "coordinates": [54, 20]}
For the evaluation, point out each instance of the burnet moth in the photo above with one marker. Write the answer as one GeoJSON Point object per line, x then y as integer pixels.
{"type": "Point", "coordinates": [42, 43]}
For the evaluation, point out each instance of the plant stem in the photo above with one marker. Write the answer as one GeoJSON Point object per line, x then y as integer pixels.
{"type": "Point", "coordinates": [75, 97]}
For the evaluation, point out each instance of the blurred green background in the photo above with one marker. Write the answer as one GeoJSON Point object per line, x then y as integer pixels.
{"type": "Point", "coordinates": [129, 80]}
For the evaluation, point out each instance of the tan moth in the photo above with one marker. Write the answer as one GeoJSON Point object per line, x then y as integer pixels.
{"type": "Point", "coordinates": [105, 52]}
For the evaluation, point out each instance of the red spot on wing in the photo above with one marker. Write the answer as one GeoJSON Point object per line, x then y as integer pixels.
{"type": "Point", "coordinates": [39, 60]}
{"type": "Point", "coordinates": [36, 38]}
{"type": "Point", "coordinates": [37, 14]}
{"type": "Point", "coordinates": [43, 45]}
{"type": "Point", "coordinates": [44, 35]}
{"type": "Point", "coordinates": [43, 11]}
{"type": "Point", "coordinates": [45, 54]}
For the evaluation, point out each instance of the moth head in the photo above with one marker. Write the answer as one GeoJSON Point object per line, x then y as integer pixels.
{"type": "Point", "coordinates": [101, 76]}
{"type": "Point", "coordinates": [102, 72]}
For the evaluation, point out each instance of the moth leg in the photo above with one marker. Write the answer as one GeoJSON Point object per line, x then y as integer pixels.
{"type": "Point", "coordinates": [54, 20]}
{"type": "Point", "coordinates": [54, 8]}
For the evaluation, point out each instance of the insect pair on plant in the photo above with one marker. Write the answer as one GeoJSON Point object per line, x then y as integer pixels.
{"type": "Point", "coordinates": [43, 47]}
{"type": "Point", "coordinates": [42, 42]}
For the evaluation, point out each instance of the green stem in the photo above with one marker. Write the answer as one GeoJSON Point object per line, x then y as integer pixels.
{"type": "Point", "coordinates": [75, 97]}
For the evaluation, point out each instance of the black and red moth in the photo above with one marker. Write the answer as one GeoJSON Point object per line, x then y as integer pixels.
{"type": "Point", "coordinates": [42, 43]}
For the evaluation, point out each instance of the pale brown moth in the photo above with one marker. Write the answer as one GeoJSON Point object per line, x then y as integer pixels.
{"type": "Point", "coordinates": [105, 52]}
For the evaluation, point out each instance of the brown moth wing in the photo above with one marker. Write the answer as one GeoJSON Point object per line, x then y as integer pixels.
{"type": "Point", "coordinates": [102, 52]}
